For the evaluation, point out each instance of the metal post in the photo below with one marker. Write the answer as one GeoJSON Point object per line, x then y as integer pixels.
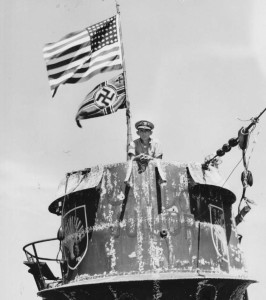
{"type": "Point", "coordinates": [39, 267]}
{"type": "Point", "coordinates": [128, 113]}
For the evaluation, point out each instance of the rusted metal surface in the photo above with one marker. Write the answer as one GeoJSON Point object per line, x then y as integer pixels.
{"type": "Point", "coordinates": [137, 240]}
{"type": "Point", "coordinates": [179, 289]}
{"type": "Point", "coordinates": [91, 178]}
{"type": "Point", "coordinates": [149, 226]}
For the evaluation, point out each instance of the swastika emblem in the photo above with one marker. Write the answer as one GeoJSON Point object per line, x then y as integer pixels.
{"type": "Point", "coordinates": [105, 96]}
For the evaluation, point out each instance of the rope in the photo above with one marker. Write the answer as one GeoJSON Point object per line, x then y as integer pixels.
{"type": "Point", "coordinates": [59, 250]}
{"type": "Point", "coordinates": [232, 171]}
{"type": "Point", "coordinates": [247, 120]}
{"type": "Point", "coordinates": [63, 206]}
{"type": "Point", "coordinates": [254, 142]}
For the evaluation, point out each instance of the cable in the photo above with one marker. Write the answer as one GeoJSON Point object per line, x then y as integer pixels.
{"type": "Point", "coordinates": [59, 250]}
{"type": "Point", "coordinates": [254, 142]}
{"type": "Point", "coordinates": [242, 120]}
{"type": "Point", "coordinates": [232, 171]}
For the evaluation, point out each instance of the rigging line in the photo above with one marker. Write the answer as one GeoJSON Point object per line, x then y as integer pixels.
{"type": "Point", "coordinates": [64, 199]}
{"type": "Point", "coordinates": [62, 212]}
{"type": "Point", "coordinates": [254, 143]}
{"type": "Point", "coordinates": [261, 114]}
{"type": "Point", "coordinates": [242, 198]}
{"type": "Point", "coordinates": [59, 250]}
{"type": "Point", "coordinates": [242, 120]}
{"type": "Point", "coordinates": [232, 171]}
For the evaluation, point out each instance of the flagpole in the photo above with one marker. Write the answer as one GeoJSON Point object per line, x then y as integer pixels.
{"type": "Point", "coordinates": [128, 113]}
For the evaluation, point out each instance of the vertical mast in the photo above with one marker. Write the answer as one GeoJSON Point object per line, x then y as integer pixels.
{"type": "Point", "coordinates": [128, 113]}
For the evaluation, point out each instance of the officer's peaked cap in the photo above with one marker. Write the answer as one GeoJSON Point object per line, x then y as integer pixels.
{"type": "Point", "coordinates": [144, 125]}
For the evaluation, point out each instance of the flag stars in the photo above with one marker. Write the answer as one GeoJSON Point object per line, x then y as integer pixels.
{"type": "Point", "coordinates": [59, 62]}
{"type": "Point", "coordinates": [102, 34]}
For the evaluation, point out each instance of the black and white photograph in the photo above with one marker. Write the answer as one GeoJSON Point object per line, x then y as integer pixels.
{"type": "Point", "coordinates": [133, 149]}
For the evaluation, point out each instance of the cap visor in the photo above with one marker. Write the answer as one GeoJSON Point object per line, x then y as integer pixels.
{"type": "Point", "coordinates": [144, 127]}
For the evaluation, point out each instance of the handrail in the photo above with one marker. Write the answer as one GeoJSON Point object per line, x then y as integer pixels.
{"type": "Point", "coordinates": [40, 270]}
{"type": "Point", "coordinates": [35, 253]}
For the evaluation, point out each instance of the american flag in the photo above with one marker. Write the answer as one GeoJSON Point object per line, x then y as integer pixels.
{"type": "Point", "coordinates": [79, 56]}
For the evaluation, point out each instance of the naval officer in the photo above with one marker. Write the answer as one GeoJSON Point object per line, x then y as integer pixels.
{"type": "Point", "coordinates": [145, 148]}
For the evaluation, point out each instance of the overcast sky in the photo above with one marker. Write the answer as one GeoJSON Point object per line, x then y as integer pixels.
{"type": "Point", "coordinates": [196, 68]}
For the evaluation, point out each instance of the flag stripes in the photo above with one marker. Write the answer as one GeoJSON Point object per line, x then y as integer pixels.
{"type": "Point", "coordinates": [67, 59]}
{"type": "Point", "coordinates": [69, 41]}
{"type": "Point", "coordinates": [81, 55]}
{"type": "Point", "coordinates": [106, 69]}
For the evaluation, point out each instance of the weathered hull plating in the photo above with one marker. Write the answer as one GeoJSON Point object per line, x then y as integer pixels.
{"type": "Point", "coordinates": [150, 288]}
{"type": "Point", "coordinates": [151, 239]}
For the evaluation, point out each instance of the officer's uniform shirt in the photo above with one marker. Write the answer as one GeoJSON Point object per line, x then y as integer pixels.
{"type": "Point", "coordinates": [153, 149]}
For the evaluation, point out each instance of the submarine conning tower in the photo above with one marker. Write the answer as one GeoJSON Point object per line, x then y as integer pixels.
{"type": "Point", "coordinates": [175, 237]}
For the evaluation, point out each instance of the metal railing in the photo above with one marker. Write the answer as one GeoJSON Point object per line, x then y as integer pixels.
{"type": "Point", "coordinates": [38, 267]}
